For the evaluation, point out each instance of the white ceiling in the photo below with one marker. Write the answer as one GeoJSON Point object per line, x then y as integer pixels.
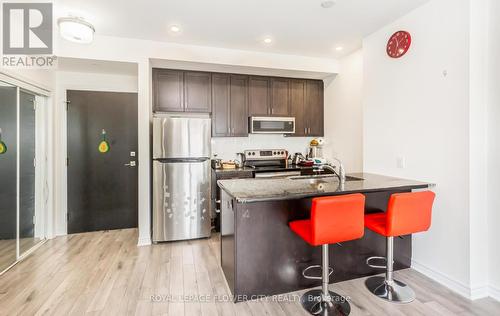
{"type": "Point", "coordinates": [299, 27]}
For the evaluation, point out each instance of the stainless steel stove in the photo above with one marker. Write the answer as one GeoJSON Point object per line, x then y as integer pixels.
{"type": "Point", "coordinates": [270, 163]}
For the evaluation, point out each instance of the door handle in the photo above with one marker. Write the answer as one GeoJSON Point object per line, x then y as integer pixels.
{"type": "Point", "coordinates": [131, 164]}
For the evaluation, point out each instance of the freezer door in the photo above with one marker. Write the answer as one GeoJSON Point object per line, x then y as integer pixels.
{"type": "Point", "coordinates": [181, 200]}
{"type": "Point", "coordinates": [181, 137]}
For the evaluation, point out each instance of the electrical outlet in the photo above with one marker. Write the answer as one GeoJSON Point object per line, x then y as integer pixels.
{"type": "Point", "coordinates": [401, 162]}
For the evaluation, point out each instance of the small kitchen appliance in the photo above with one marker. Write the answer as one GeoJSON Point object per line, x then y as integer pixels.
{"type": "Point", "coordinates": [315, 152]}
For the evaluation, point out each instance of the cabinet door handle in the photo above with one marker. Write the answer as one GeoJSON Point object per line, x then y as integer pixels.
{"type": "Point", "coordinates": [305, 130]}
{"type": "Point", "coordinates": [271, 110]}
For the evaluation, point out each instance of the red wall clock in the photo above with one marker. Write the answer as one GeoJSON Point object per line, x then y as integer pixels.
{"type": "Point", "coordinates": [398, 44]}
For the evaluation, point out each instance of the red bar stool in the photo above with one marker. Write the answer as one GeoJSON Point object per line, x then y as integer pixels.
{"type": "Point", "coordinates": [334, 219]}
{"type": "Point", "coordinates": [407, 213]}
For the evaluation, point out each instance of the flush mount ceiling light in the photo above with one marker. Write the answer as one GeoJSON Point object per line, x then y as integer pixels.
{"type": "Point", "coordinates": [327, 4]}
{"type": "Point", "coordinates": [339, 48]}
{"type": "Point", "coordinates": [76, 30]}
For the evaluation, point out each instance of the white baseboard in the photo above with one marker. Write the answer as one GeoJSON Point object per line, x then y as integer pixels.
{"type": "Point", "coordinates": [494, 292]}
{"type": "Point", "coordinates": [144, 241]}
{"type": "Point", "coordinates": [452, 284]}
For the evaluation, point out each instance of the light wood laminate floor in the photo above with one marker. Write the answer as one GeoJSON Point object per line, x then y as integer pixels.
{"type": "Point", "coordinates": [105, 273]}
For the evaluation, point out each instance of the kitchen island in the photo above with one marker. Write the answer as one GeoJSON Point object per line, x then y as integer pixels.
{"type": "Point", "coordinates": [260, 255]}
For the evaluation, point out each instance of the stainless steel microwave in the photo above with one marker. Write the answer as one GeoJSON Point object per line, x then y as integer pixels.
{"type": "Point", "coordinates": [272, 125]}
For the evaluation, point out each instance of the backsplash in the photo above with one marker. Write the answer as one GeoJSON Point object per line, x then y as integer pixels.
{"type": "Point", "coordinates": [227, 147]}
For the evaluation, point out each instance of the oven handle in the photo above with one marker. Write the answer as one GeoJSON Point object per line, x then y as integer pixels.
{"type": "Point", "coordinates": [279, 174]}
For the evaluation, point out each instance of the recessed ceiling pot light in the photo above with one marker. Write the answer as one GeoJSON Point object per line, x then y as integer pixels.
{"type": "Point", "coordinates": [339, 48]}
{"type": "Point", "coordinates": [268, 40]}
{"type": "Point", "coordinates": [175, 28]}
{"type": "Point", "coordinates": [76, 30]}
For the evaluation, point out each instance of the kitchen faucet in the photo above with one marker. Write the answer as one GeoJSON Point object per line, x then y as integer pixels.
{"type": "Point", "coordinates": [340, 174]}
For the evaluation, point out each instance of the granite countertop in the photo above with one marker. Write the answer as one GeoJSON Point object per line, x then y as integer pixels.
{"type": "Point", "coordinates": [269, 169]}
{"type": "Point", "coordinates": [258, 190]}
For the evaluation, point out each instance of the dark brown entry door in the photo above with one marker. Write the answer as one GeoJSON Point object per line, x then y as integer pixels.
{"type": "Point", "coordinates": [102, 186]}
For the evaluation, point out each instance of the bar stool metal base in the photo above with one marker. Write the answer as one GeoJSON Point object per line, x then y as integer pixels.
{"type": "Point", "coordinates": [394, 291]}
{"type": "Point", "coordinates": [312, 301]}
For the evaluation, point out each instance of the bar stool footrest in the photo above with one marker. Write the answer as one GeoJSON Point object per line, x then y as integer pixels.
{"type": "Point", "coordinates": [375, 266]}
{"type": "Point", "coordinates": [312, 277]}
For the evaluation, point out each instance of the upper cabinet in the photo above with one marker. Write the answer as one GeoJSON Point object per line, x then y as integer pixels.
{"type": "Point", "coordinates": [168, 91]}
{"type": "Point", "coordinates": [230, 105]}
{"type": "Point", "coordinates": [197, 92]}
{"type": "Point", "coordinates": [307, 107]}
{"type": "Point", "coordinates": [239, 105]}
{"type": "Point", "coordinates": [233, 98]}
{"type": "Point", "coordinates": [297, 106]}
{"type": "Point", "coordinates": [315, 108]}
{"type": "Point", "coordinates": [280, 97]}
{"type": "Point", "coordinates": [259, 96]}
{"type": "Point", "coordinates": [221, 125]}
{"type": "Point", "coordinates": [181, 91]}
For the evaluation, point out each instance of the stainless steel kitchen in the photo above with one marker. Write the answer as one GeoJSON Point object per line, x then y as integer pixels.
{"type": "Point", "coordinates": [226, 157]}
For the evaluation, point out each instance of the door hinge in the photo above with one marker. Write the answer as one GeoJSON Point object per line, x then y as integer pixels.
{"type": "Point", "coordinates": [67, 105]}
{"type": "Point", "coordinates": [67, 217]}
{"type": "Point", "coordinates": [34, 220]}
{"type": "Point", "coordinates": [67, 161]}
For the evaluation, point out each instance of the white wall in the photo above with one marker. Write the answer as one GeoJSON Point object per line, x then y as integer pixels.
{"type": "Point", "coordinates": [68, 80]}
{"type": "Point", "coordinates": [494, 150]}
{"type": "Point", "coordinates": [417, 108]}
{"type": "Point", "coordinates": [478, 112]}
{"type": "Point", "coordinates": [344, 113]}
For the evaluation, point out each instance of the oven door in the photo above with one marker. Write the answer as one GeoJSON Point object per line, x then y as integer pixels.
{"type": "Point", "coordinates": [272, 125]}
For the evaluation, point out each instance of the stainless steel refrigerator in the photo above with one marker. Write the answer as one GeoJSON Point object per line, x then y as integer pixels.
{"type": "Point", "coordinates": [181, 177]}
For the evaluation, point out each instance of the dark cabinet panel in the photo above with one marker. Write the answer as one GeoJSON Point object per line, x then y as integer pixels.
{"type": "Point", "coordinates": [259, 97]}
{"type": "Point", "coordinates": [168, 90]}
{"type": "Point", "coordinates": [239, 105]}
{"type": "Point", "coordinates": [280, 97]}
{"type": "Point", "coordinates": [297, 106]}
{"type": "Point", "coordinates": [220, 105]}
{"type": "Point", "coordinates": [197, 92]}
{"type": "Point", "coordinates": [314, 106]}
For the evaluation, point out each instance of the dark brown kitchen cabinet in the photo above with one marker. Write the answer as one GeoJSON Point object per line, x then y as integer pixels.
{"type": "Point", "coordinates": [280, 97]}
{"type": "Point", "coordinates": [314, 107]}
{"type": "Point", "coordinates": [197, 92]}
{"type": "Point", "coordinates": [229, 105]}
{"type": "Point", "coordinates": [306, 105]}
{"type": "Point", "coordinates": [239, 105]}
{"type": "Point", "coordinates": [220, 105]}
{"type": "Point", "coordinates": [259, 96]}
{"type": "Point", "coordinates": [297, 106]}
{"type": "Point", "coordinates": [168, 90]}
{"type": "Point", "coordinates": [181, 91]}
